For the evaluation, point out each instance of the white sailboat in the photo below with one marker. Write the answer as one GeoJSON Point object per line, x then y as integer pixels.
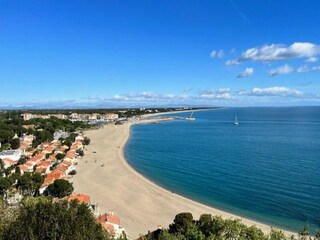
{"type": "Point", "coordinates": [190, 118]}
{"type": "Point", "coordinates": [235, 122]}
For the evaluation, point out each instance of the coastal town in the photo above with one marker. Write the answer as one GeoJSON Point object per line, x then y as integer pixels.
{"type": "Point", "coordinates": [35, 169]}
{"type": "Point", "coordinates": [41, 160]}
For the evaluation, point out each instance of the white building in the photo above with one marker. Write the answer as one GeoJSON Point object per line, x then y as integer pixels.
{"type": "Point", "coordinates": [111, 116]}
{"type": "Point", "coordinates": [11, 154]}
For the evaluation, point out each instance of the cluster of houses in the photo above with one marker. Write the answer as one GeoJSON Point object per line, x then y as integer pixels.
{"type": "Point", "coordinates": [45, 160]}
{"type": "Point", "coordinates": [93, 117]}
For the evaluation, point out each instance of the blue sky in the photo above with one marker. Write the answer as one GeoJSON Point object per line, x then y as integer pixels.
{"type": "Point", "coordinates": [159, 53]}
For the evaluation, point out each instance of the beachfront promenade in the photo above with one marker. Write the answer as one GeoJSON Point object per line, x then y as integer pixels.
{"type": "Point", "coordinates": [142, 205]}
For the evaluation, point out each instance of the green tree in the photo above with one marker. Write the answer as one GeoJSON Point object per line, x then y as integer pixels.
{"type": "Point", "coordinates": [277, 235]}
{"type": "Point", "coordinates": [17, 170]}
{"type": "Point", "coordinates": [15, 143]}
{"type": "Point", "coordinates": [29, 184]}
{"type": "Point", "coordinates": [86, 141]}
{"type": "Point", "coordinates": [44, 219]}
{"type": "Point", "coordinates": [6, 135]}
{"type": "Point", "coordinates": [22, 160]}
{"type": "Point", "coordinates": [80, 152]}
{"type": "Point", "coordinates": [67, 142]}
{"type": "Point", "coordinates": [7, 216]}
{"type": "Point", "coordinates": [60, 188]}
{"type": "Point", "coordinates": [205, 224]}
{"type": "Point", "coordinates": [4, 185]}
{"type": "Point", "coordinates": [60, 156]}
{"type": "Point", "coordinates": [181, 223]}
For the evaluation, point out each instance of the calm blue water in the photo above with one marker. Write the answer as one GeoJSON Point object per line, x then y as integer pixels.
{"type": "Point", "coordinates": [267, 168]}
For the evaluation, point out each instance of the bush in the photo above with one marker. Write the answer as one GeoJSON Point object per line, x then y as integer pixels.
{"type": "Point", "coordinates": [73, 172]}
{"type": "Point", "coordinates": [86, 141]}
{"type": "Point", "coordinates": [60, 188]}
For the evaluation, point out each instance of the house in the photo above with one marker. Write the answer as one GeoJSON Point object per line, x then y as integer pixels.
{"type": "Point", "coordinates": [111, 223]}
{"type": "Point", "coordinates": [48, 149]}
{"type": "Point", "coordinates": [44, 167]}
{"type": "Point", "coordinates": [79, 138]}
{"type": "Point", "coordinates": [111, 116]}
{"type": "Point", "coordinates": [11, 154]}
{"type": "Point", "coordinates": [50, 178]}
{"type": "Point", "coordinates": [23, 168]}
{"type": "Point", "coordinates": [7, 162]}
{"type": "Point", "coordinates": [27, 116]}
{"type": "Point", "coordinates": [77, 145]}
{"type": "Point", "coordinates": [70, 156]}
{"type": "Point", "coordinates": [81, 198]}
{"type": "Point", "coordinates": [36, 159]}
{"type": "Point", "coordinates": [64, 169]}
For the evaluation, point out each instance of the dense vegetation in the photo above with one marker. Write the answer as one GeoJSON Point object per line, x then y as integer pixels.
{"type": "Point", "coordinates": [40, 218]}
{"type": "Point", "coordinates": [28, 184]}
{"type": "Point", "coordinates": [59, 188]}
{"type": "Point", "coordinates": [184, 227]}
{"type": "Point", "coordinates": [45, 128]}
{"type": "Point", "coordinates": [11, 124]}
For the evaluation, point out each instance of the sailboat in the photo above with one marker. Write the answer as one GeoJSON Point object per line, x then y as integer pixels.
{"type": "Point", "coordinates": [190, 118]}
{"type": "Point", "coordinates": [235, 122]}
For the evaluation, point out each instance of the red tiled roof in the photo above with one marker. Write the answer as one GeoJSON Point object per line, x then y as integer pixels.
{"type": "Point", "coordinates": [29, 163]}
{"type": "Point", "coordinates": [66, 163]}
{"type": "Point", "coordinates": [61, 149]}
{"type": "Point", "coordinates": [61, 167]}
{"type": "Point", "coordinates": [109, 227]}
{"type": "Point", "coordinates": [48, 149]}
{"type": "Point", "coordinates": [51, 177]}
{"type": "Point", "coordinates": [38, 157]}
{"type": "Point", "coordinates": [53, 156]}
{"type": "Point", "coordinates": [44, 164]}
{"type": "Point", "coordinates": [41, 170]}
{"type": "Point", "coordinates": [9, 161]}
{"type": "Point", "coordinates": [71, 154]}
{"type": "Point", "coordinates": [23, 167]}
{"type": "Point", "coordinates": [82, 198]}
{"type": "Point", "coordinates": [110, 218]}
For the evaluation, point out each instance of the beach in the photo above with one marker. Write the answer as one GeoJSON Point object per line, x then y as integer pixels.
{"type": "Point", "coordinates": [105, 175]}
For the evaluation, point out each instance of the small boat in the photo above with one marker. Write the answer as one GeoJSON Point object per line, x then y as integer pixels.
{"type": "Point", "coordinates": [235, 122]}
{"type": "Point", "coordinates": [190, 118]}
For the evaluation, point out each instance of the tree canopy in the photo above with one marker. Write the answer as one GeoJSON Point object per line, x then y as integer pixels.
{"type": "Point", "coordinates": [60, 188]}
{"type": "Point", "coordinates": [40, 218]}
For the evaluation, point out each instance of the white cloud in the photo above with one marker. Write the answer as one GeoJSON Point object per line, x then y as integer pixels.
{"type": "Point", "coordinates": [221, 93]}
{"type": "Point", "coordinates": [220, 54]}
{"type": "Point", "coordinates": [213, 54]}
{"type": "Point", "coordinates": [276, 52]}
{"type": "Point", "coordinates": [275, 91]}
{"type": "Point", "coordinates": [232, 62]}
{"type": "Point", "coordinates": [285, 69]}
{"type": "Point", "coordinates": [306, 68]}
{"type": "Point", "coordinates": [248, 72]}
{"type": "Point", "coordinates": [217, 54]}
{"type": "Point", "coordinates": [312, 59]}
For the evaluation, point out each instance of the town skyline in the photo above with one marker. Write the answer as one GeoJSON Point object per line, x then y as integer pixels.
{"type": "Point", "coordinates": [159, 54]}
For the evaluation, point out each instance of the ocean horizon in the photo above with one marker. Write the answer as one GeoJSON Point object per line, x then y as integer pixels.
{"type": "Point", "coordinates": [264, 169]}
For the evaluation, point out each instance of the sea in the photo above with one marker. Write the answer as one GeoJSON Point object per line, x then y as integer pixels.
{"type": "Point", "coordinates": [267, 168]}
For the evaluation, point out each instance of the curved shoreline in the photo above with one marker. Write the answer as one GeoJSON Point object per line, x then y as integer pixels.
{"type": "Point", "coordinates": [142, 204]}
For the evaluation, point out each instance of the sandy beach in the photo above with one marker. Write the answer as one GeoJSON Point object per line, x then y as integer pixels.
{"type": "Point", "coordinates": [141, 204]}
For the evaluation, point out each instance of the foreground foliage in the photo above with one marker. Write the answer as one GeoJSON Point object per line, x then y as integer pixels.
{"type": "Point", "coordinates": [40, 218]}
{"type": "Point", "coordinates": [184, 227]}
